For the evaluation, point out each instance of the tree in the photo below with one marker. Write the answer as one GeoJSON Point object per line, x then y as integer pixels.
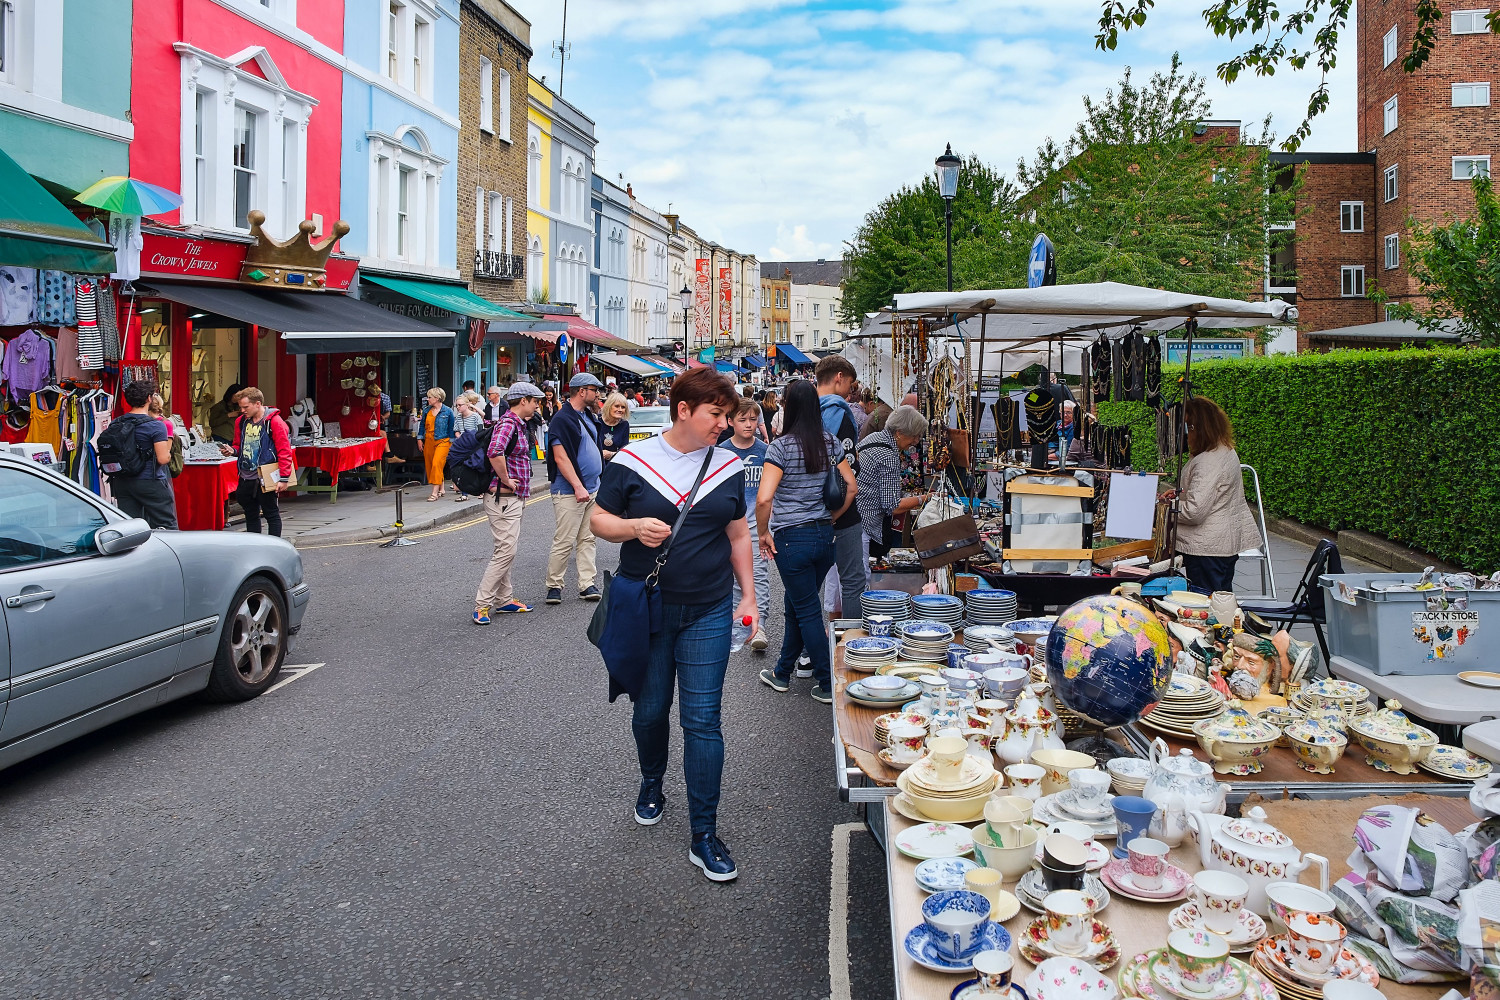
{"type": "Point", "coordinates": [1457, 267]}
{"type": "Point", "coordinates": [1280, 32]}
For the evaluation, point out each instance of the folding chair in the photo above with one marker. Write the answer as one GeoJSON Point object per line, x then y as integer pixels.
{"type": "Point", "coordinates": [1307, 604]}
{"type": "Point", "coordinates": [1263, 554]}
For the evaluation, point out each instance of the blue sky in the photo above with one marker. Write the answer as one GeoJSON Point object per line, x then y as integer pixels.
{"type": "Point", "coordinates": [773, 126]}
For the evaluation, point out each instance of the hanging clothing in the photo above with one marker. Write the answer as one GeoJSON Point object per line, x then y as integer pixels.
{"type": "Point", "coordinates": [56, 303]}
{"type": "Point", "coordinates": [109, 322]}
{"type": "Point", "coordinates": [125, 234]}
{"type": "Point", "coordinates": [90, 346]}
{"type": "Point", "coordinates": [67, 354]}
{"type": "Point", "coordinates": [28, 364]}
{"type": "Point", "coordinates": [17, 295]}
{"type": "Point", "coordinates": [46, 422]}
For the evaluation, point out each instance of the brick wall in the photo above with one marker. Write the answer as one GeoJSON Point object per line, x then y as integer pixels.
{"type": "Point", "coordinates": [487, 160]}
{"type": "Point", "coordinates": [1322, 249]}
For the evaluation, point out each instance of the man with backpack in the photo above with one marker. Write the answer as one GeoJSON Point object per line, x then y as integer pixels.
{"type": "Point", "coordinates": [134, 451]}
{"type": "Point", "coordinates": [835, 375]}
{"type": "Point", "coordinates": [509, 458]}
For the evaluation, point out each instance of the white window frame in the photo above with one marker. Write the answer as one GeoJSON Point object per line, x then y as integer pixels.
{"type": "Point", "coordinates": [392, 33]}
{"type": "Point", "coordinates": [536, 266]}
{"type": "Point", "coordinates": [480, 201]}
{"type": "Point", "coordinates": [10, 49]}
{"type": "Point", "coordinates": [1469, 172]}
{"type": "Point", "coordinates": [486, 96]}
{"type": "Point", "coordinates": [498, 238]}
{"type": "Point", "coordinates": [1471, 95]}
{"type": "Point", "coordinates": [1347, 210]}
{"type": "Point", "coordinates": [408, 30]}
{"type": "Point", "coordinates": [1390, 116]}
{"type": "Point", "coordinates": [533, 167]}
{"type": "Point", "coordinates": [282, 112]}
{"type": "Point", "coordinates": [1355, 272]}
{"type": "Point", "coordinates": [502, 128]}
{"type": "Point", "coordinates": [1392, 184]}
{"type": "Point", "coordinates": [1392, 252]}
{"type": "Point", "coordinates": [422, 54]}
{"type": "Point", "coordinates": [409, 149]}
{"type": "Point", "coordinates": [284, 9]}
{"type": "Point", "coordinates": [510, 207]}
{"type": "Point", "coordinates": [1388, 47]}
{"type": "Point", "coordinates": [255, 167]}
{"type": "Point", "coordinates": [1469, 22]}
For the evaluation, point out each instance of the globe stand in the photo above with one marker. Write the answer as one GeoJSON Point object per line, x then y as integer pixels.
{"type": "Point", "coordinates": [1099, 747]}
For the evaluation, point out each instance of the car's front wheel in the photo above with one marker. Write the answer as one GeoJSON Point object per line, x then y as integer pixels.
{"type": "Point", "coordinates": [253, 643]}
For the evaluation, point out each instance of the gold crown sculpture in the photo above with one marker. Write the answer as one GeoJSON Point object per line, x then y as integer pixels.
{"type": "Point", "coordinates": [297, 264]}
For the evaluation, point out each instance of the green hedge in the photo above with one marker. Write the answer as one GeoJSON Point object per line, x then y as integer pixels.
{"type": "Point", "coordinates": [1403, 444]}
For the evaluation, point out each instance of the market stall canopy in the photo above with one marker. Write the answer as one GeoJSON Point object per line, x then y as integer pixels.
{"type": "Point", "coordinates": [462, 302]}
{"type": "Point", "coordinates": [753, 362]}
{"type": "Point", "coordinates": [628, 364]}
{"type": "Point", "coordinates": [581, 329]}
{"type": "Point", "coordinates": [309, 323]}
{"type": "Point", "coordinates": [667, 365]}
{"type": "Point", "coordinates": [36, 230]}
{"type": "Point", "coordinates": [792, 354]}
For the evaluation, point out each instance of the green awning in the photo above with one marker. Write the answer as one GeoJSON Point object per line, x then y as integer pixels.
{"type": "Point", "coordinates": [37, 231]}
{"type": "Point", "coordinates": [454, 298]}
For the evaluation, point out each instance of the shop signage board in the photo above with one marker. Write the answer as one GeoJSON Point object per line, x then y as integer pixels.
{"type": "Point", "coordinates": [424, 377]}
{"type": "Point", "coordinates": [171, 255]}
{"type": "Point", "coordinates": [1206, 349]}
{"type": "Point", "coordinates": [703, 302]}
{"type": "Point", "coordinates": [726, 301]}
{"type": "Point", "coordinates": [1043, 266]}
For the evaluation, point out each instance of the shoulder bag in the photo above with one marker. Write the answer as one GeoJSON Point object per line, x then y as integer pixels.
{"type": "Point", "coordinates": [833, 485]}
{"type": "Point", "coordinates": [626, 605]}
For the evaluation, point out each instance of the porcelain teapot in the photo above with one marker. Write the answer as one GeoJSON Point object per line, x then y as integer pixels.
{"type": "Point", "coordinates": [1253, 849]}
{"type": "Point", "coordinates": [1178, 786]}
{"type": "Point", "coordinates": [1026, 729]}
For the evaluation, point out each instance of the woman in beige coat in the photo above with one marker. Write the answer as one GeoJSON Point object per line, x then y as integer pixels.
{"type": "Point", "coordinates": [1214, 524]}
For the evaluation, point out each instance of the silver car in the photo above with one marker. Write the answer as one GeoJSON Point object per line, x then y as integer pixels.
{"type": "Point", "coordinates": [104, 617]}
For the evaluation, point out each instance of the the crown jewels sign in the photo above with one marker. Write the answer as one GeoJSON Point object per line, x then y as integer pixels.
{"type": "Point", "coordinates": [298, 264]}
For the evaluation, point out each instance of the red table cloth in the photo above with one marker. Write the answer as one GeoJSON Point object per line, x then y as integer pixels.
{"type": "Point", "coordinates": [340, 458]}
{"type": "Point", "coordinates": [201, 491]}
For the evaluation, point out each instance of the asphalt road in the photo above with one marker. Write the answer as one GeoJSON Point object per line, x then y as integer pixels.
{"type": "Point", "coordinates": [439, 810]}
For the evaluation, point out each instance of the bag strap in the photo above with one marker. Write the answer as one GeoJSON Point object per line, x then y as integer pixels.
{"type": "Point", "coordinates": [661, 560]}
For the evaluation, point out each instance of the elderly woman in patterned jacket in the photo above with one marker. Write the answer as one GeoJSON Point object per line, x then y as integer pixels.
{"type": "Point", "coordinates": [879, 498]}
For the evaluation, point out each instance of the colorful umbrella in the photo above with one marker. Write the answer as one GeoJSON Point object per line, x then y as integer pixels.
{"type": "Point", "coordinates": [128, 196]}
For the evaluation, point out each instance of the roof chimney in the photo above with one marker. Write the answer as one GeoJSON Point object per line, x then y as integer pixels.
{"type": "Point", "coordinates": [630, 190]}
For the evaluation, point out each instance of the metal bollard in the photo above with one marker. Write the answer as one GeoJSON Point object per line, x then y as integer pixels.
{"type": "Point", "coordinates": [400, 539]}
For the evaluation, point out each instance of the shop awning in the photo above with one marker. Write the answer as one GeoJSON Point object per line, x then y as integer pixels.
{"type": "Point", "coordinates": [627, 363]}
{"type": "Point", "coordinates": [793, 355]}
{"type": "Point", "coordinates": [309, 322]}
{"type": "Point", "coordinates": [753, 362]}
{"type": "Point", "coordinates": [667, 365]}
{"type": "Point", "coordinates": [36, 230]}
{"type": "Point", "coordinates": [726, 366]}
{"type": "Point", "coordinates": [458, 300]}
{"type": "Point", "coordinates": [581, 329]}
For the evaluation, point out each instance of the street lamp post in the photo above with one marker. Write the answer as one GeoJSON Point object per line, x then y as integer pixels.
{"type": "Point", "coordinates": [947, 171]}
{"type": "Point", "coordinates": [686, 295]}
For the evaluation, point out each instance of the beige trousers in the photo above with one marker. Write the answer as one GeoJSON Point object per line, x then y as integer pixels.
{"type": "Point", "coordinates": [573, 532]}
{"type": "Point", "coordinates": [505, 525]}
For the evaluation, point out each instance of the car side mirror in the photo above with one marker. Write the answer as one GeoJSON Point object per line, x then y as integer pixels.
{"type": "Point", "coordinates": [121, 536]}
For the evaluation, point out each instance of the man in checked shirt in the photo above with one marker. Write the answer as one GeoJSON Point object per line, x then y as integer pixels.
{"type": "Point", "coordinates": [510, 457]}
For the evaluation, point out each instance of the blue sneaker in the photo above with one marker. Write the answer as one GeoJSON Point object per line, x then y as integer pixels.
{"type": "Point", "coordinates": [482, 615]}
{"type": "Point", "coordinates": [709, 853]}
{"type": "Point", "coordinates": [650, 803]}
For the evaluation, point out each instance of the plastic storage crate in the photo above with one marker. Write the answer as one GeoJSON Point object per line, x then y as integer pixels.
{"type": "Point", "coordinates": [1410, 632]}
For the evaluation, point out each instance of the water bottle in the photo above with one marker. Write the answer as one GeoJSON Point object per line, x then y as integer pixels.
{"type": "Point", "coordinates": [739, 635]}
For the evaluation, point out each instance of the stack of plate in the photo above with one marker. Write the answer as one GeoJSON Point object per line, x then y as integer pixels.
{"type": "Point", "coordinates": [925, 641]}
{"type": "Point", "coordinates": [1272, 959]}
{"type": "Point", "coordinates": [1188, 700]}
{"type": "Point", "coordinates": [880, 692]}
{"type": "Point", "coordinates": [883, 724]}
{"type": "Point", "coordinates": [1331, 691]}
{"type": "Point", "coordinates": [868, 655]}
{"type": "Point", "coordinates": [896, 603]}
{"type": "Point", "coordinates": [989, 607]}
{"type": "Point", "coordinates": [978, 638]}
{"type": "Point", "coordinates": [939, 608]}
{"type": "Point", "coordinates": [976, 776]}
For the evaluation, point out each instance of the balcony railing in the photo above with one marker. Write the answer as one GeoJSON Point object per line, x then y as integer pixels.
{"type": "Point", "coordinates": [489, 264]}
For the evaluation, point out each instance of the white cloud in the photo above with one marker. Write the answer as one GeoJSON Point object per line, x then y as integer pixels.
{"type": "Point", "coordinates": [773, 126]}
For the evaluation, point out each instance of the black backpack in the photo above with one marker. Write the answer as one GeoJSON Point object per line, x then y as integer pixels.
{"type": "Point", "coordinates": [468, 461]}
{"type": "Point", "coordinates": [119, 454]}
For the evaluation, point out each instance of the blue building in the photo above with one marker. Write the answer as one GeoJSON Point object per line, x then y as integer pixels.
{"type": "Point", "coordinates": [609, 285]}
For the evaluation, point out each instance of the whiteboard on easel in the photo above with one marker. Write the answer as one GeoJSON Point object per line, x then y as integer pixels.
{"type": "Point", "coordinates": [1132, 506]}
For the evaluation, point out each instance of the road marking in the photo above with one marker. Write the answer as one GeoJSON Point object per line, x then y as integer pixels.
{"type": "Point", "coordinates": [297, 670]}
{"type": "Point", "coordinates": [838, 913]}
{"type": "Point", "coordinates": [424, 533]}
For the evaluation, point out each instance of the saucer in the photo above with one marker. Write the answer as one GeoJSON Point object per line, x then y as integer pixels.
{"type": "Point", "coordinates": [1098, 854]}
{"type": "Point", "coordinates": [884, 753]}
{"type": "Point", "coordinates": [1068, 802]}
{"type": "Point", "coordinates": [1031, 891]}
{"type": "Point", "coordinates": [934, 840]}
{"type": "Point", "coordinates": [1276, 953]}
{"type": "Point", "coordinates": [942, 874]}
{"type": "Point", "coordinates": [919, 947]}
{"type": "Point", "coordinates": [1174, 882]}
{"type": "Point", "coordinates": [1248, 929]}
{"type": "Point", "coordinates": [1102, 952]}
{"type": "Point", "coordinates": [1135, 980]}
{"type": "Point", "coordinates": [1236, 979]}
{"type": "Point", "coordinates": [1046, 812]}
{"type": "Point", "coordinates": [969, 990]}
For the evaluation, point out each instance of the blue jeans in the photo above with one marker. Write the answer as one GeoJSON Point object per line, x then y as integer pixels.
{"type": "Point", "coordinates": [692, 648]}
{"type": "Point", "coordinates": [804, 555]}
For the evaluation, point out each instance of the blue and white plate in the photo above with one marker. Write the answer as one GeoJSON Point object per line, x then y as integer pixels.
{"type": "Point", "coordinates": [900, 596]}
{"type": "Point", "coordinates": [871, 647]}
{"type": "Point", "coordinates": [1031, 626]}
{"type": "Point", "coordinates": [943, 874]}
{"type": "Point", "coordinates": [920, 948]}
{"type": "Point", "coordinates": [927, 631]}
{"type": "Point", "coordinates": [969, 990]}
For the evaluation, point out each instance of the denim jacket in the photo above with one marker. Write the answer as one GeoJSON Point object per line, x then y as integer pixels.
{"type": "Point", "coordinates": [442, 427]}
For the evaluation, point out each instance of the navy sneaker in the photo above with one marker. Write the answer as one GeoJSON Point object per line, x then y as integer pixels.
{"type": "Point", "coordinates": [770, 680]}
{"type": "Point", "coordinates": [709, 853]}
{"type": "Point", "coordinates": [554, 595]}
{"type": "Point", "coordinates": [650, 803]}
{"type": "Point", "coordinates": [590, 593]}
{"type": "Point", "coordinates": [820, 693]}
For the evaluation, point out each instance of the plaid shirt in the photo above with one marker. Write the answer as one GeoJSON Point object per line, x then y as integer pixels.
{"type": "Point", "coordinates": [510, 440]}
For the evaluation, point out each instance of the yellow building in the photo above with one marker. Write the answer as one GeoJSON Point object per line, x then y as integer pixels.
{"type": "Point", "coordinates": [559, 175]}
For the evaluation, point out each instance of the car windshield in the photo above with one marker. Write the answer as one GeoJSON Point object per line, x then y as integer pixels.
{"type": "Point", "coordinates": [649, 416]}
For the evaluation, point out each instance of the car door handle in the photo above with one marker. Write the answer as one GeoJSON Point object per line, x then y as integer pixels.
{"type": "Point", "coordinates": [21, 600]}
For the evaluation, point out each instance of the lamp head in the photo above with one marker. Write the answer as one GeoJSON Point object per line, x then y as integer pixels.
{"type": "Point", "coordinates": [947, 171]}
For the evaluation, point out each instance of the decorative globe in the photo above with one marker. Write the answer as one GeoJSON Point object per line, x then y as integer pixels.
{"type": "Point", "coordinates": [1108, 660]}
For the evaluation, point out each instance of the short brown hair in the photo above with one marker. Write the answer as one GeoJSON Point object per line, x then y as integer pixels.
{"type": "Point", "coordinates": [747, 406]}
{"type": "Point", "coordinates": [251, 393]}
{"type": "Point", "coordinates": [1208, 425]}
{"type": "Point", "coordinates": [702, 387]}
{"type": "Point", "coordinates": [832, 367]}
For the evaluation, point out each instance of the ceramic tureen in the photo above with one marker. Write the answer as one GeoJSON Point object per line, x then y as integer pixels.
{"type": "Point", "coordinates": [1392, 742]}
{"type": "Point", "coordinates": [1235, 739]}
{"type": "Point", "coordinates": [1254, 850]}
{"type": "Point", "coordinates": [1318, 740]}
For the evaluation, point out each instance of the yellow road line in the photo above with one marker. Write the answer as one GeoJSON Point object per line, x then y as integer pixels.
{"type": "Point", "coordinates": [434, 531]}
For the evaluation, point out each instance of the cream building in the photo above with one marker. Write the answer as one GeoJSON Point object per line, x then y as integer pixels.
{"type": "Point", "coordinates": [816, 295]}
{"type": "Point", "coordinates": [734, 332]}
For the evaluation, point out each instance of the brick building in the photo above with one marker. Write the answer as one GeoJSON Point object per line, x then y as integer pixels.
{"type": "Point", "coordinates": [1422, 135]}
